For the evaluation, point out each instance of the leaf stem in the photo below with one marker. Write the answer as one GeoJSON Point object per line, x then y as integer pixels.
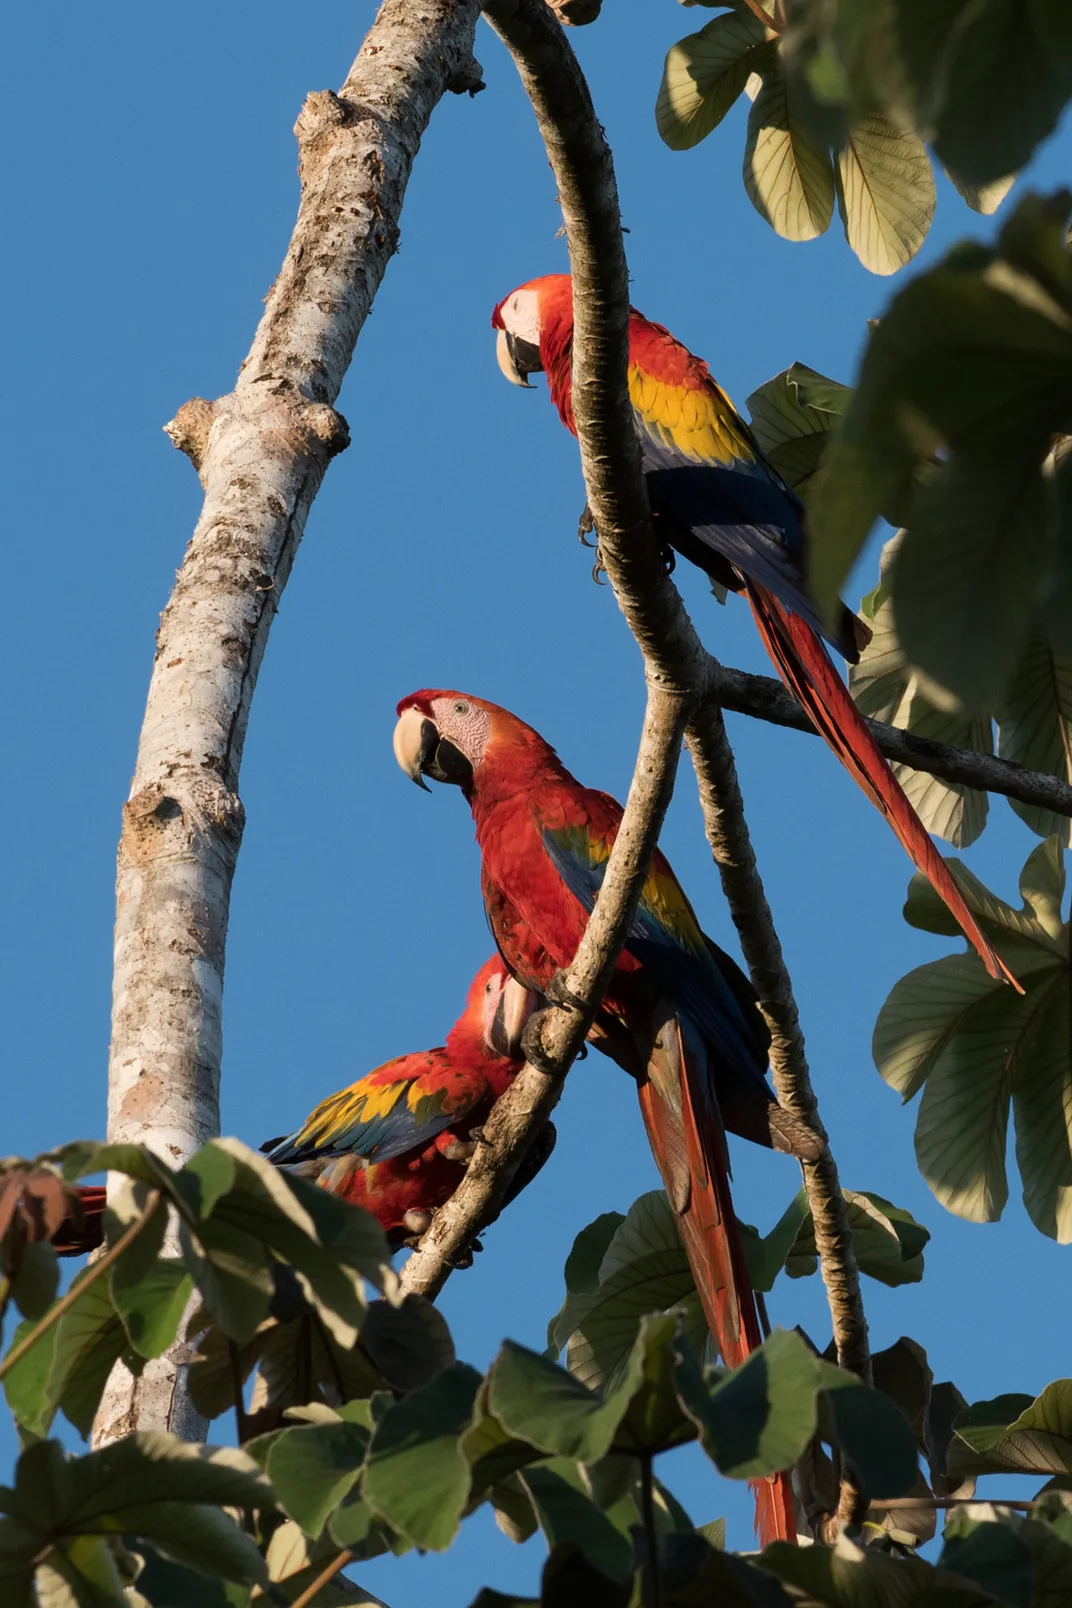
{"type": "Point", "coordinates": [334, 1567]}
{"type": "Point", "coordinates": [757, 9]}
{"type": "Point", "coordinates": [895, 1502]}
{"type": "Point", "coordinates": [653, 1586]}
{"type": "Point", "coordinates": [96, 1271]}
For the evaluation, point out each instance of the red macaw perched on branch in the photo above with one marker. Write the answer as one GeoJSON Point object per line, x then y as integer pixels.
{"type": "Point", "coordinates": [718, 502]}
{"type": "Point", "coordinates": [679, 1015]}
{"type": "Point", "coordinates": [397, 1141]}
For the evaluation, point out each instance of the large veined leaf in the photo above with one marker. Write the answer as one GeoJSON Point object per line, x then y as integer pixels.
{"type": "Point", "coordinates": [1006, 81]}
{"type": "Point", "coordinates": [417, 1478]}
{"type": "Point", "coordinates": [885, 687]}
{"type": "Point", "coordinates": [793, 416]}
{"type": "Point", "coordinates": [788, 177]}
{"type": "Point", "coordinates": [975, 355]}
{"type": "Point", "coordinates": [643, 1269]}
{"type": "Point", "coordinates": [1015, 1434]}
{"type": "Point", "coordinates": [63, 1514]}
{"type": "Point", "coordinates": [1035, 726]}
{"type": "Point", "coordinates": [703, 76]}
{"type": "Point", "coordinates": [886, 194]}
{"type": "Point", "coordinates": [976, 1046]}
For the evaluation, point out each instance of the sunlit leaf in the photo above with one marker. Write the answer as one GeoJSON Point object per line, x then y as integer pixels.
{"type": "Point", "coordinates": [885, 194]}
{"type": "Point", "coordinates": [1034, 719]}
{"type": "Point", "coordinates": [703, 76]}
{"type": "Point", "coordinates": [789, 178]}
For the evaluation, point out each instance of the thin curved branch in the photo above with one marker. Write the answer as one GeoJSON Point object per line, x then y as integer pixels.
{"type": "Point", "coordinates": [673, 654]}
{"type": "Point", "coordinates": [731, 846]}
{"type": "Point", "coordinates": [261, 453]}
{"type": "Point", "coordinates": [766, 699]}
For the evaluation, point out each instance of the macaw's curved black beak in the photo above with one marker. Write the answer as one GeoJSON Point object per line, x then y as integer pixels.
{"type": "Point", "coordinates": [516, 1005]}
{"type": "Point", "coordinates": [421, 752]}
{"type": "Point", "coordinates": [517, 358]}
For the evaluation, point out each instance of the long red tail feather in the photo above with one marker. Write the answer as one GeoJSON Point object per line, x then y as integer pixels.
{"type": "Point", "coordinates": [83, 1231]}
{"type": "Point", "coordinates": [807, 670]}
{"type": "Point", "coordinates": [689, 1146]}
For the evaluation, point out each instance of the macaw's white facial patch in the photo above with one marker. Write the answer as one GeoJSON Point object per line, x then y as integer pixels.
{"type": "Point", "coordinates": [521, 316]}
{"type": "Point", "coordinates": [465, 723]}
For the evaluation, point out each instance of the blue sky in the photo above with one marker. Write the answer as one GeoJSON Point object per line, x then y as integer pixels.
{"type": "Point", "coordinates": [150, 191]}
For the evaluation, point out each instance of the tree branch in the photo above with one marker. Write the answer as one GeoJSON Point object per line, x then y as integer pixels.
{"type": "Point", "coordinates": [673, 655]}
{"type": "Point", "coordinates": [731, 846]}
{"type": "Point", "coordinates": [261, 453]}
{"type": "Point", "coordinates": [766, 699]}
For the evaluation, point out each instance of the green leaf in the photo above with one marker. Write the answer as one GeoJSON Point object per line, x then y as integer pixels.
{"type": "Point", "coordinates": [887, 1240]}
{"type": "Point", "coordinates": [644, 1269]}
{"type": "Point", "coordinates": [767, 1256]}
{"type": "Point", "coordinates": [416, 1477]}
{"type": "Point", "coordinates": [1007, 80]}
{"type": "Point", "coordinates": [973, 563]}
{"type": "Point", "coordinates": [885, 687]}
{"type": "Point", "coordinates": [152, 1308]}
{"type": "Point", "coordinates": [409, 1344]}
{"type": "Point", "coordinates": [974, 1046]}
{"type": "Point", "coordinates": [537, 1401]}
{"type": "Point", "coordinates": [886, 194]}
{"type": "Point", "coordinates": [26, 1385]}
{"type": "Point", "coordinates": [757, 1419]}
{"type": "Point", "coordinates": [992, 1555]}
{"type": "Point", "coordinates": [703, 76]}
{"type": "Point", "coordinates": [294, 1563]}
{"type": "Point", "coordinates": [1034, 718]}
{"type": "Point", "coordinates": [147, 1485]}
{"type": "Point", "coordinates": [89, 1340]}
{"type": "Point", "coordinates": [33, 1287]}
{"type": "Point", "coordinates": [313, 1467]}
{"type": "Point", "coordinates": [789, 179]}
{"type": "Point", "coordinates": [976, 356]}
{"type": "Point", "coordinates": [1013, 1434]}
{"type": "Point", "coordinates": [847, 1575]}
{"type": "Point", "coordinates": [793, 416]}
{"type": "Point", "coordinates": [589, 1248]}
{"type": "Point", "coordinates": [163, 1582]}
{"type": "Point", "coordinates": [984, 198]}
{"type": "Point", "coordinates": [568, 1516]}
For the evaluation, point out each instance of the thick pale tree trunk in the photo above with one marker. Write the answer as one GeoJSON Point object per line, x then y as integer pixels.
{"type": "Point", "coordinates": [261, 453]}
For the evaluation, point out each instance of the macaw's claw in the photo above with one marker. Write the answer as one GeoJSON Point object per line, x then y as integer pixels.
{"type": "Point", "coordinates": [418, 1221]}
{"type": "Point", "coordinates": [585, 526]}
{"type": "Point", "coordinates": [460, 1150]}
{"type": "Point", "coordinates": [532, 1046]}
{"type": "Point", "coordinates": [559, 992]}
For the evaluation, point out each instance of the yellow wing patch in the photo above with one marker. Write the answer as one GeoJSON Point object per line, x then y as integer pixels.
{"type": "Point", "coordinates": [701, 424]}
{"type": "Point", "coordinates": [362, 1102]}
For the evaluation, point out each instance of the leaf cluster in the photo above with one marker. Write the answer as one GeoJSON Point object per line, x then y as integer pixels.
{"type": "Point", "coordinates": [847, 95]}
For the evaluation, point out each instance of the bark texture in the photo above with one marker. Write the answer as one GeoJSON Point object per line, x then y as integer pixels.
{"type": "Point", "coordinates": [261, 453]}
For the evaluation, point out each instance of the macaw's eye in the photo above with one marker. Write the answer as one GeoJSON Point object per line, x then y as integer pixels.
{"type": "Point", "coordinates": [461, 707]}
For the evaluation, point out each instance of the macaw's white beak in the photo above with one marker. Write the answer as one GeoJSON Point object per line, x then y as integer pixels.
{"type": "Point", "coordinates": [516, 1005]}
{"type": "Point", "coordinates": [517, 359]}
{"type": "Point", "coordinates": [415, 742]}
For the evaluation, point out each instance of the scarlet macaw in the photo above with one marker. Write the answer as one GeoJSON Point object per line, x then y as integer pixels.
{"type": "Point", "coordinates": [82, 1231]}
{"type": "Point", "coordinates": [717, 501]}
{"type": "Point", "coordinates": [397, 1141]}
{"type": "Point", "coordinates": [679, 1015]}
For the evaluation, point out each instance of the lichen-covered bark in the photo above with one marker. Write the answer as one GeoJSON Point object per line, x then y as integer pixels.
{"type": "Point", "coordinates": [261, 453]}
